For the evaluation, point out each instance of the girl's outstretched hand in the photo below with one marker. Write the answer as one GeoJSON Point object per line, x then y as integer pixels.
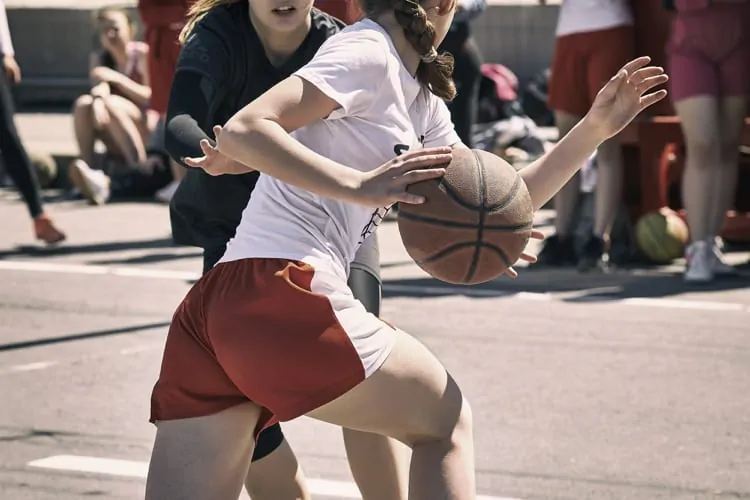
{"type": "Point", "coordinates": [625, 95]}
{"type": "Point", "coordinates": [213, 162]}
{"type": "Point", "coordinates": [526, 257]}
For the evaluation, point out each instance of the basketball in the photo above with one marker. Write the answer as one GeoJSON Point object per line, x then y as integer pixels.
{"type": "Point", "coordinates": [475, 221]}
{"type": "Point", "coordinates": [45, 168]}
{"type": "Point", "coordinates": [661, 236]}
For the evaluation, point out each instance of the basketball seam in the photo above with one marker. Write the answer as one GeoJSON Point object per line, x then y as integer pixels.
{"type": "Point", "coordinates": [508, 199]}
{"type": "Point", "coordinates": [455, 197]}
{"type": "Point", "coordinates": [458, 246]}
{"type": "Point", "coordinates": [480, 225]}
{"type": "Point", "coordinates": [462, 225]}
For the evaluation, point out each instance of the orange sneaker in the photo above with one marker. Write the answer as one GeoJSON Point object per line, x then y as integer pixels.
{"type": "Point", "coordinates": [46, 231]}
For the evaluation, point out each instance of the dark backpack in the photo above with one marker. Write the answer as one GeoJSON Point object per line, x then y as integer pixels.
{"type": "Point", "coordinates": [534, 100]}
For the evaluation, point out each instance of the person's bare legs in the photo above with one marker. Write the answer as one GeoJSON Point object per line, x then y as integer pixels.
{"type": "Point", "coordinates": [699, 118]}
{"type": "Point", "coordinates": [567, 198]}
{"type": "Point", "coordinates": [277, 476]}
{"type": "Point", "coordinates": [731, 125]}
{"type": "Point", "coordinates": [609, 179]}
{"type": "Point", "coordinates": [411, 398]}
{"type": "Point", "coordinates": [559, 250]}
{"type": "Point", "coordinates": [204, 458]}
{"type": "Point", "coordinates": [126, 129]}
{"type": "Point", "coordinates": [85, 127]}
{"type": "Point", "coordinates": [379, 464]}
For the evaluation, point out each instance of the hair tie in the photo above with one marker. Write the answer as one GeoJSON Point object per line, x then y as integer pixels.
{"type": "Point", "coordinates": [430, 56]}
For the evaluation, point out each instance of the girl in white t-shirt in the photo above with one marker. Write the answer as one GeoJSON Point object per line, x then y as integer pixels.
{"type": "Point", "coordinates": [272, 332]}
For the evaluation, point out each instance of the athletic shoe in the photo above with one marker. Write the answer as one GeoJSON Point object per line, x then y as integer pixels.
{"type": "Point", "coordinates": [94, 185]}
{"type": "Point", "coordinates": [592, 255]}
{"type": "Point", "coordinates": [699, 267]}
{"type": "Point", "coordinates": [719, 265]}
{"type": "Point", "coordinates": [557, 252]}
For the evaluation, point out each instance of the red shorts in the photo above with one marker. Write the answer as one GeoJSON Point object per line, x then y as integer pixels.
{"type": "Point", "coordinates": [348, 11]}
{"type": "Point", "coordinates": [709, 52]}
{"type": "Point", "coordinates": [270, 331]}
{"type": "Point", "coordinates": [163, 50]}
{"type": "Point", "coordinates": [583, 63]}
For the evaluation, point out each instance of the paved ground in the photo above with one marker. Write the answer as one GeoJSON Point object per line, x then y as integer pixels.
{"type": "Point", "coordinates": [627, 386]}
{"type": "Point", "coordinates": [624, 386]}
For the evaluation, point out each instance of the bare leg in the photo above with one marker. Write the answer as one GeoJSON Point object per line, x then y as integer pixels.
{"type": "Point", "coordinates": [699, 117]}
{"type": "Point", "coordinates": [608, 186]}
{"type": "Point", "coordinates": [379, 465]}
{"type": "Point", "coordinates": [85, 127]}
{"type": "Point", "coordinates": [413, 399]}
{"type": "Point", "coordinates": [204, 458]}
{"type": "Point", "coordinates": [277, 476]}
{"type": "Point", "coordinates": [732, 124]}
{"type": "Point", "coordinates": [566, 200]}
{"type": "Point", "coordinates": [126, 129]}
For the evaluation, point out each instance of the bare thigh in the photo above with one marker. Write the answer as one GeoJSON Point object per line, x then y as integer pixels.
{"type": "Point", "coordinates": [411, 397]}
{"type": "Point", "coordinates": [699, 118]}
{"type": "Point", "coordinates": [203, 458]}
{"type": "Point", "coordinates": [132, 111]}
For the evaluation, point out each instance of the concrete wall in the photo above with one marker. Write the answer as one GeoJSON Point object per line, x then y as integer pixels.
{"type": "Point", "coordinates": [53, 45]}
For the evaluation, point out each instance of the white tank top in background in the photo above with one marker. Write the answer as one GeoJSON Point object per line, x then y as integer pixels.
{"type": "Point", "coordinates": [580, 16]}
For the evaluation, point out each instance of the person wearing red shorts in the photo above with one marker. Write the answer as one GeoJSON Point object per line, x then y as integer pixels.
{"type": "Point", "coordinates": [594, 39]}
{"type": "Point", "coordinates": [162, 22]}
{"type": "Point", "coordinates": [709, 61]}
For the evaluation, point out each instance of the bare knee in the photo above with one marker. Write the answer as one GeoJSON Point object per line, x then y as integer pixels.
{"type": "Point", "coordinates": [704, 153]}
{"type": "Point", "coordinates": [82, 105]}
{"type": "Point", "coordinates": [277, 476]}
{"type": "Point", "coordinates": [454, 425]}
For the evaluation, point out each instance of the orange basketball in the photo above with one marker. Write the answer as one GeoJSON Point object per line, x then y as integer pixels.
{"type": "Point", "coordinates": [475, 222]}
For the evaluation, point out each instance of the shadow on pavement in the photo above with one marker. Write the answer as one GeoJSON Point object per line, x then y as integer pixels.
{"type": "Point", "coordinates": [68, 249]}
{"type": "Point", "coordinates": [588, 287]}
{"type": "Point", "coordinates": [81, 336]}
{"type": "Point", "coordinates": [149, 259]}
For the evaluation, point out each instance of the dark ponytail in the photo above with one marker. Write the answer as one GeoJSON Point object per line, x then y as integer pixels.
{"type": "Point", "coordinates": [435, 70]}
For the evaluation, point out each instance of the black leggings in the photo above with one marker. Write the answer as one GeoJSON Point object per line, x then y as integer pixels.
{"type": "Point", "coordinates": [467, 75]}
{"type": "Point", "coordinates": [15, 158]}
{"type": "Point", "coordinates": [365, 287]}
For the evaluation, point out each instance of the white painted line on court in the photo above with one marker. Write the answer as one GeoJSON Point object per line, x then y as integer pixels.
{"type": "Point", "coordinates": [697, 305]}
{"type": "Point", "coordinates": [685, 304]}
{"type": "Point", "coordinates": [135, 469]}
{"type": "Point", "coordinates": [29, 367]}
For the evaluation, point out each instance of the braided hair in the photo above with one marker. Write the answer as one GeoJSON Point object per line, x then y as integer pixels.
{"type": "Point", "coordinates": [435, 70]}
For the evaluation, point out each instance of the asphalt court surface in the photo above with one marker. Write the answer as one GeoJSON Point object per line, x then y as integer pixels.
{"type": "Point", "coordinates": [622, 386]}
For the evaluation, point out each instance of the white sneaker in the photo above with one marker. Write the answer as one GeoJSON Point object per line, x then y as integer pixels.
{"type": "Point", "coordinates": [719, 265]}
{"type": "Point", "coordinates": [166, 193]}
{"type": "Point", "coordinates": [699, 266]}
{"type": "Point", "coordinates": [94, 185]}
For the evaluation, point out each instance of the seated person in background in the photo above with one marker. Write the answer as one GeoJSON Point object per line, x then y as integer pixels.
{"type": "Point", "coordinates": [115, 109]}
{"type": "Point", "coordinates": [141, 180]}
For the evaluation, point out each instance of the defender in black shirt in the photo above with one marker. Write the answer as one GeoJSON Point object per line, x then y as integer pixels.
{"type": "Point", "coordinates": [224, 65]}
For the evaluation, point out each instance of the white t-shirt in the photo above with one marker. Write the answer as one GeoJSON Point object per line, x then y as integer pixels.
{"type": "Point", "coordinates": [383, 112]}
{"type": "Point", "coordinates": [580, 16]}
